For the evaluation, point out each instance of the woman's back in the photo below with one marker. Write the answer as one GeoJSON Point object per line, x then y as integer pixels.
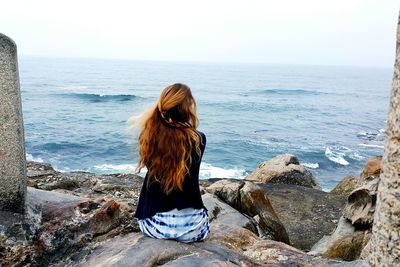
{"type": "Point", "coordinates": [170, 147]}
{"type": "Point", "coordinates": [153, 198]}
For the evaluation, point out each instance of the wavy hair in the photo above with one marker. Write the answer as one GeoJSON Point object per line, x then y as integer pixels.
{"type": "Point", "coordinates": [168, 137]}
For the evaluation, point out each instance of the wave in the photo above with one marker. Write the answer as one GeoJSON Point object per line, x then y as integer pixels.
{"type": "Point", "coordinates": [209, 171]}
{"type": "Point", "coordinates": [291, 92]}
{"type": "Point", "coordinates": [310, 165]}
{"type": "Point", "coordinates": [30, 157]}
{"type": "Point", "coordinates": [378, 135]}
{"type": "Point", "coordinates": [336, 156]}
{"type": "Point", "coordinates": [111, 168]}
{"type": "Point", "coordinates": [371, 145]}
{"type": "Point", "coordinates": [206, 170]}
{"type": "Point", "coordinates": [100, 97]}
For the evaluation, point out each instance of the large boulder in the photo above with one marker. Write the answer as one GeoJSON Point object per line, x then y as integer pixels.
{"type": "Point", "coordinates": [283, 169]}
{"type": "Point", "coordinates": [221, 213]}
{"type": "Point", "coordinates": [67, 224]}
{"type": "Point", "coordinates": [306, 213]}
{"type": "Point", "coordinates": [346, 186]}
{"type": "Point", "coordinates": [346, 243]}
{"type": "Point", "coordinates": [249, 199]}
{"type": "Point", "coordinates": [351, 236]}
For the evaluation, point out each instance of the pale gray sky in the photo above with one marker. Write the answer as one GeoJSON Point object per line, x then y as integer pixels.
{"type": "Point", "coordinates": [340, 32]}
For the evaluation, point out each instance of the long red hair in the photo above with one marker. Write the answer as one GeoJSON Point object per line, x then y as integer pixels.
{"type": "Point", "coordinates": [168, 137]}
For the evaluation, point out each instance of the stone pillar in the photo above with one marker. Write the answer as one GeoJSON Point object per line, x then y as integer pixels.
{"type": "Point", "coordinates": [12, 146]}
{"type": "Point", "coordinates": [385, 242]}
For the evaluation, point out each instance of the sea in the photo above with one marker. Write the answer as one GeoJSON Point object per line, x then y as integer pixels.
{"type": "Point", "coordinates": [332, 118]}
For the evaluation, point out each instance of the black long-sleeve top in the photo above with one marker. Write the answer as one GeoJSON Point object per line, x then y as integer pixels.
{"type": "Point", "coordinates": [153, 198]}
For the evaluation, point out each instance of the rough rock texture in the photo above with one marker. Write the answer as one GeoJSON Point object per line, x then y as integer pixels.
{"type": "Point", "coordinates": [249, 199]}
{"type": "Point", "coordinates": [12, 149]}
{"type": "Point", "coordinates": [385, 241]}
{"type": "Point", "coordinates": [307, 214]}
{"type": "Point", "coordinates": [346, 243]}
{"type": "Point", "coordinates": [221, 213]}
{"type": "Point", "coordinates": [124, 187]}
{"type": "Point", "coordinates": [68, 222]}
{"type": "Point", "coordinates": [346, 186]}
{"type": "Point", "coordinates": [83, 227]}
{"type": "Point", "coordinates": [283, 169]}
{"type": "Point", "coordinates": [361, 203]}
{"type": "Point", "coordinates": [354, 229]}
{"type": "Point", "coordinates": [372, 168]}
{"type": "Point", "coordinates": [227, 245]}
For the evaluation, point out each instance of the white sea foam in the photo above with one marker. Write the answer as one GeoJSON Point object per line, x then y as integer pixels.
{"type": "Point", "coordinates": [206, 170]}
{"type": "Point", "coordinates": [30, 157]}
{"type": "Point", "coordinates": [371, 145]}
{"type": "Point", "coordinates": [209, 171]}
{"type": "Point", "coordinates": [336, 156]}
{"type": "Point", "coordinates": [311, 165]}
{"type": "Point", "coordinates": [113, 168]}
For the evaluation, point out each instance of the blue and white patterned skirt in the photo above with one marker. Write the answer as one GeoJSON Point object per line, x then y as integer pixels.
{"type": "Point", "coordinates": [186, 225]}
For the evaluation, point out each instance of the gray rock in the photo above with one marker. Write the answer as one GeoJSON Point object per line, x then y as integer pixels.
{"type": "Point", "coordinates": [249, 199]}
{"type": "Point", "coordinates": [221, 213]}
{"type": "Point", "coordinates": [346, 186]}
{"type": "Point", "coordinates": [361, 203]}
{"type": "Point", "coordinates": [306, 213]}
{"type": "Point", "coordinates": [354, 228]}
{"type": "Point", "coordinates": [283, 169]}
{"type": "Point", "coordinates": [12, 150]}
{"type": "Point", "coordinates": [227, 245]}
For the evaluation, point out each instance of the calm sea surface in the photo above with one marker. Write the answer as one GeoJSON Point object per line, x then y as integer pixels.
{"type": "Point", "coordinates": [331, 118]}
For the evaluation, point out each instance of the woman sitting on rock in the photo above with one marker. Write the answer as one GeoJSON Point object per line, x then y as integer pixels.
{"type": "Point", "coordinates": [170, 147]}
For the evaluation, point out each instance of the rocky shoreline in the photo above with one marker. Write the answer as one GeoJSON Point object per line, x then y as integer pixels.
{"type": "Point", "coordinates": [277, 216]}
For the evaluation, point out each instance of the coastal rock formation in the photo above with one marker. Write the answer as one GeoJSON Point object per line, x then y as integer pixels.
{"type": "Point", "coordinates": [354, 228]}
{"type": "Point", "coordinates": [306, 213]}
{"type": "Point", "coordinates": [67, 224]}
{"type": "Point", "coordinates": [283, 169]}
{"type": "Point", "coordinates": [249, 199]}
{"type": "Point", "coordinates": [372, 168]}
{"type": "Point", "coordinates": [346, 186]}
{"type": "Point", "coordinates": [221, 213]}
{"type": "Point", "coordinates": [124, 187]}
{"type": "Point", "coordinates": [227, 245]}
{"type": "Point", "coordinates": [93, 224]}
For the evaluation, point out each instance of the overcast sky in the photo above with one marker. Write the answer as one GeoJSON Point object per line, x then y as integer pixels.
{"type": "Point", "coordinates": [340, 32]}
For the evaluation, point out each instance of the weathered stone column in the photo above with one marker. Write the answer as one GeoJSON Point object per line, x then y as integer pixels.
{"type": "Point", "coordinates": [385, 242]}
{"type": "Point", "coordinates": [12, 148]}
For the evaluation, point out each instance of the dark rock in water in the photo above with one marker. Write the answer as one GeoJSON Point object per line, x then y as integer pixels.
{"type": "Point", "coordinates": [283, 169]}
{"type": "Point", "coordinates": [346, 186]}
{"type": "Point", "coordinates": [307, 214]}
{"type": "Point", "coordinates": [248, 198]}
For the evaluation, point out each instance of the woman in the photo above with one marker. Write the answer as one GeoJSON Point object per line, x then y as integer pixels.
{"type": "Point", "coordinates": [170, 147]}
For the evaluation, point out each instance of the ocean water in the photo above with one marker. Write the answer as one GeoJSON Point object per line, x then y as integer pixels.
{"type": "Point", "coordinates": [332, 118]}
